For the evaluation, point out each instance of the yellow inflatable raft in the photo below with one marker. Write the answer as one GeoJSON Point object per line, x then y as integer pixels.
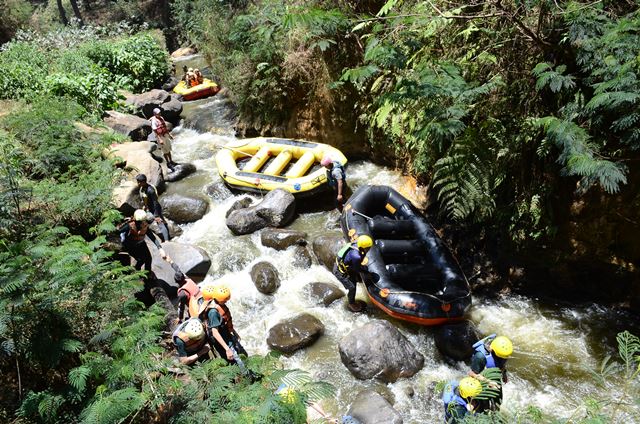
{"type": "Point", "coordinates": [207, 88]}
{"type": "Point", "coordinates": [265, 164]}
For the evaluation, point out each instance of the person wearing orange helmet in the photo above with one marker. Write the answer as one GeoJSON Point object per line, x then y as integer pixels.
{"type": "Point", "coordinates": [217, 316]}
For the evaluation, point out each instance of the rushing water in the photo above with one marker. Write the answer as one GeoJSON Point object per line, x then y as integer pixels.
{"type": "Point", "coordinates": [556, 346]}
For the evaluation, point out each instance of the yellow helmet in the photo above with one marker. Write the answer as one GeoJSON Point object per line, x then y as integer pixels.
{"type": "Point", "coordinates": [469, 387]}
{"type": "Point", "coordinates": [219, 293]}
{"type": "Point", "coordinates": [364, 242]}
{"type": "Point", "coordinates": [194, 329]}
{"type": "Point", "coordinates": [502, 346]}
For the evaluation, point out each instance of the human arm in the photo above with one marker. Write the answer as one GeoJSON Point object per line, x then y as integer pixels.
{"type": "Point", "coordinates": [218, 337]}
{"type": "Point", "coordinates": [182, 304]}
{"type": "Point", "coordinates": [186, 359]}
{"type": "Point", "coordinates": [478, 364]}
{"type": "Point", "coordinates": [215, 321]}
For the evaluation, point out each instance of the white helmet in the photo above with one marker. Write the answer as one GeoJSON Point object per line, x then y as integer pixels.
{"type": "Point", "coordinates": [194, 329]}
{"type": "Point", "coordinates": [139, 215]}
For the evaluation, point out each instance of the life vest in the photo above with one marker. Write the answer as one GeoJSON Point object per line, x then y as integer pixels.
{"type": "Point", "coordinates": [138, 234]}
{"type": "Point", "coordinates": [479, 346]}
{"type": "Point", "coordinates": [449, 395]}
{"type": "Point", "coordinates": [190, 288]}
{"type": "Point", "coordinates": [191, 345]}
{"type": "Point", "coordinates": [162, 125]}
{"type": "Point", "coordinates": [342, 253]}
{"type": "Point", "coordinates": [225, 315]}
{"type": "Point", "coordinates": [144, 197]}
{"type": "Point", "coordinates": [332, 181]}
{"type": "Point", "coordinates": [194, 304]}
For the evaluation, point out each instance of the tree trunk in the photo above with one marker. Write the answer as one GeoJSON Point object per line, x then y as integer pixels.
{"type": "Point", "coordinates": [76, 12]}
{"type": "Point", "coordinates": [63, 14]}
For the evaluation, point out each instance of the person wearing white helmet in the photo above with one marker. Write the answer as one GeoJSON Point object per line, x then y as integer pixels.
{"type": "Point", "coordinates": [164, 137]}
{"type": "Point", "coordinates": [132, 236]}
{"type": "Point", "coordinates": [336, 178]}
{"type": "Point", "coordinates": [190, 341]}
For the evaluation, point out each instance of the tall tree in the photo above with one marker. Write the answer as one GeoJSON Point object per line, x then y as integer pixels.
{"type": "Point", "coordinates": [63, 14]}
{"type": "Point", "coordinates": [76, 12]}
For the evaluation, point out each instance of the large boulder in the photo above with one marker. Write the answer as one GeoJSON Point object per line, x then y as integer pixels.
{"type": "Point", "coordinates": [191, 260]}
{"type": "Point", "coordinates": [146, 102]}
{"type": "Point", "coordinates": [120, 152]}
{"type": "Point", "coordinates": [325, 248]}
{"type": "Point", "coordinates": [275, 210]}
{"type": "Point", "coordinates": [265, 277]}
{"type": "Point", "coordinates": [130, 125]}
{"type": "Point", "coordinates": [281, 239]}
{"type": "Point", "coordinates": [324, 293]}
{"type": "Point", "coordinates": [180, 171]}
{"type": "Point", "coordinates": [170, 83]}
{"type": "Point", "coordinates": [370, 407]}
{"type": "Point", "coordinates": [295, 333]}
{"type": "Point", "coordinates": [456, 340]}
{"type": "Point", "coordinates": [162, 270]}
{"type": "Point", "coordinates": [183, 209]}
{"type": "Point", "coordinates": [242, 203]}
{"type": "Point", "coordinates": [171, 111]}
{"type": "Point", "coordinates": [302, 257]}
{"type": "Point", "coordinates": [183, 51]}
{"type": "Point", "coordinates": [141, 162]}
{"type": "Point", "coordinates": [379, 350]}
{"type": "Point", "coordinates": [125, 197]}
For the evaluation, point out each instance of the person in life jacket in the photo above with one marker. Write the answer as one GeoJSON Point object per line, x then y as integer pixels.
{"type": "Point", "coordinates": [149, 198]}
{"type": "Point", "coordinates": [190, 341]}
{"type": "Point", "coordinates": [336, 178]}
{"type": "Point", "coordinates": [187, 290]}
{"type": "Point", "coordinates": [132, 235]}
{"type": "Point", "coordinates": [347, 267]}
{"type": "Point", "coordinates": [198, 75]}
{"type": "Point", "coordinates": [491, 352]}
{"type": "Point", "coordinates": [213, 311]}
{"type": "Point", "coordinates": [458, 399]}
{"type": "Point", "coordinates": [190, 78]}
{"type": "Point", "coordinates": [163, 136]}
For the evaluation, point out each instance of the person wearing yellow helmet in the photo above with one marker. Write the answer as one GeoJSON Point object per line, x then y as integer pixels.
{"type": "Point", "coordinates": [217, 316]}
{"type": "Point", "coordinates": [491, 352]}
{"type": "Point", "coordinates": [459, 400]}
{"type": "Point", "coordinates": [190, 341]}
{"type": "Point", "coordinates": [348, 265]}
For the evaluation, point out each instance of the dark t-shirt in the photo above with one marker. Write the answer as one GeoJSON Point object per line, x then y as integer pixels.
{"type": "Point", "coordinates": [353, 260]}
{"type": "Point", "coordinates": [180, 347]}
{"type": "Point", "coordinates": [215, 321]}
{"type": "Point", "coordinates": [151, 202]}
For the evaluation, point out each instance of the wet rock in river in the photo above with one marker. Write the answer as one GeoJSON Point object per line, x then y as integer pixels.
{"type": "Point", "coordinates": [242, 203]}
{"type": "Point", "coordinates": [324, 293]}
{"type": "Point", "coordinates": [295, 333]}
{"type": "Point", "coordinates": [183, 209]}
{"type": "Point", "coordinates": [171, 111]}
{"type": "Point", "coordinates": [146, 102]}
{"type": "Point", "coordinates": [265, 277]}
{"type": "Point", "coordinates": [325, 248]}
{"type": "Point", "coordinates": [455, 340]}
{"type": "Point", "coordinates": [170, 83]}
{"type": "Point", "coordinates": [192, 260]}
{"type": "Point", "coordinates": [302, 257]}
{"type": "Point", "coordinates": [275, 210]}
{"type": "Point", "coordinates": [218, 191]}
{"type": "Point", "coordinates": [180, 171]}
{"type": "Point", "coordinates": [370, 407]}
{"type": "Point", "coordinates": [379, 350]}
{"type": "Point", "coordinates": [281, 239]}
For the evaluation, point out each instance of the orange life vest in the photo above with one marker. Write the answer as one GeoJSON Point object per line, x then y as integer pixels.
{"type": "Point", "coordinates": [223, 310]}
{"type": "Point", "coordinates": [190, 288]}
{"type": "Point", "coordinates": [194, 304]}
{"type": "Point", "coordinates": [225, 316]}
{"type": "Point", "coordinates": [191, 345]}
{"type": "Point", "coordinates": [162, 125]}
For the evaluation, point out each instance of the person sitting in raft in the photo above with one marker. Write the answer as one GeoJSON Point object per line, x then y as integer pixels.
{"type": "Point", "coordinates": [185, 70]}
{"type": "Point", "coordinates": [187, 290]}
{"type": "Point", "coordinates": [458, 399]}
{"type": "Point", "coordinates": [349, 263]}
{"type": "Point", "coordinates": [190, 341]}
{"type": "Point", "coordinates": [336, 178]}
{"type": "Point", "coordinates": [212, 310]}
{"type": "Point", "coordinates": [491, 352]}
{"type": "Point", "coordinates": [191, 78]}
{"type": "Point", "coordinates": [132, 235]}
{"type": "Point", "coordinates": [198, 76]}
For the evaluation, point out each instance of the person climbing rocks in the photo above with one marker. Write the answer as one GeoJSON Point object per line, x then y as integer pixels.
{"type": "Point", "coordinates": [491, 352]}
{"type": "Point", "coordinates": [190, 341]}
{"type": "Point", "coordinates": [212, 310]}
{"type": "Point", "coordinates": [336, 178]}
{"type": "Point", "coordinates": [164, 137]}
{"type": "Point", "coordinates": [132, 235]}
{"type": "Point", "coordinates": [198, 76]}
{"type": "Point", "coordinates": [149, 198]}
{"type": "Point", "coordinates": [458, 399]}
{"type": "Point", "coordinates": [187, 290]}
{"type": "Point", "coordinates": [349, 263]}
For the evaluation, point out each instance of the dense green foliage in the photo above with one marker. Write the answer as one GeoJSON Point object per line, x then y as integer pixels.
{"type": "Point", "coordinates": [78, 65]}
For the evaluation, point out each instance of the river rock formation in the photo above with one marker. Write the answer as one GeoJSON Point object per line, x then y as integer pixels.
{"type": "Point", "coordinates": [180, 171]}
{"type": "Point", "coordinates": [277, 209]}
{"type": "Point", "coordinates": [302, 257]}
{"type": "Point", "coordinates": [324, 293]}
{"type": "Point", "coordinates": [369, 407]}
{"type": "Point", "coordinates": [132, 126]}
{"type": "Point", "coordinates": [183, 209]}
{"type": "Point", "coordinates": [281, 239]}
{"type": "Point", "coordinates": [145, 103]}
{"type": "Point", "coordinates": [325, 248]}
{"type": "Point", "coordinates": [265, 277]}
{"type": "Point", "coordinates": [192, 260]}
{"type": "Point", "coordinates": [455, 340]}
{"type": "Point", "coordinates": [295, 333]}
{"type": "Point", "coordinates": [218, 191]}
{"type": "Point", "coordinates": [378, 350]}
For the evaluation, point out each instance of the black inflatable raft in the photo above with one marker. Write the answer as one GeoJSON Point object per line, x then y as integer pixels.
{"type": "Point", "coordinates": [411, 274]}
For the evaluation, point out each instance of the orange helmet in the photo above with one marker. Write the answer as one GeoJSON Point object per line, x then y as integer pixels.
{"type": "Point", "coordinates": [219, 293]}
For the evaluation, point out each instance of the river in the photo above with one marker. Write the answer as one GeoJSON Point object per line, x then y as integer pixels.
{"type": "Point", "coordinates": [556, 345]}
